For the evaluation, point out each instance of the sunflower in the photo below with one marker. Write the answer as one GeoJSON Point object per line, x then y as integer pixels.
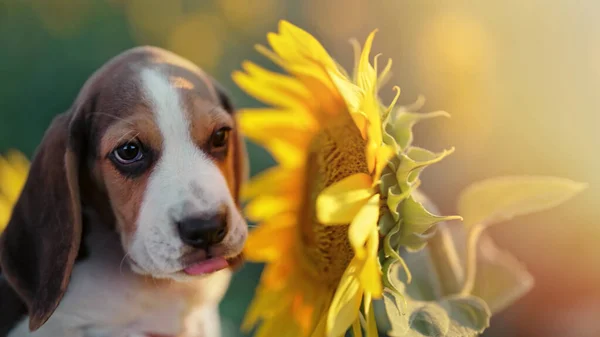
{"type": "Point", "coordinates": [13, 173]}
{"type": "Point", "coordinates": [318, 209]}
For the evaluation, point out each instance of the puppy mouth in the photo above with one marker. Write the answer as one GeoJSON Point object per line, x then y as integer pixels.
{"type": "Point", "coordinates": [213, 264]}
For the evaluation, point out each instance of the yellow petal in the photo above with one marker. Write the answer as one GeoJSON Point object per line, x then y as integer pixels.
{"type": "Point", "coordinates": [324, 91]}
{"type": "Point", "coordinates": [361, 122]}
{"type": "Point", "coordinates": [372, 109]}
{"type": "Point", "coordinates": [320, 329]}
{"type": "Point", "coordinates": [367, 299]}
{"type": "Point", "coordinates": [304, 57]}
{"type": "Point", "coordinates": [366, 76]}
{"type": "Point", "coordinates": [370, 274]}
{"type": "Point", "coordinates": [350, 92]}
{"type": "Point", "coordinates": [345, 304]}
{"type": "Point", "coordinates": [264, 125]}
{"type": "Point", "coordinates": [383, 154]}
{"type": "Point", "coordinates": [371, 153]}
{"type": "Point", "coordinates": [13, 173]}
{"type": "Point", "coordinates": [260, 245]}
{"type": "Point", "coordinates": [5, 211]}
{"type": "Point", "coordinates": [267, 206]}
{"type": "Point", "coordinates": [274, 180]}
{"type": "Point", "coordinates": [356, 328]}
{"type": "Point", "coordinates": [371, 323]}
{"type": "Point", "coordinates": [367, 80]}
{"type": "Point", "coordinates": [278, 274]}
{"type": "Point", "coordinates": [265, 304]}
{"type": "Point", "coordinates": [340, 202]}
{"type": "Point", "coordinates": [306, 43]}
{"type": "Point", "coordinates": [295, 59]}
{"type": "Point", "coordinates": [302, 311]}
{"type": "Point", "coordinates": [285, 140]}
{"type": "Point", "coordinates": [363, 225]}
{"type": "Point", "coordinates": [273, 88]}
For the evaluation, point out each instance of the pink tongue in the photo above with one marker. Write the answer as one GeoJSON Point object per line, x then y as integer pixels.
{"type": "Point", "coordinates": [208, 266]}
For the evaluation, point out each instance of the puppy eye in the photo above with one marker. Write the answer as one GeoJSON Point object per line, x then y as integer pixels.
{"type": "Point", "coordinates": [220, 138]}
{"type": "Point", "coordinates": [128, 153]}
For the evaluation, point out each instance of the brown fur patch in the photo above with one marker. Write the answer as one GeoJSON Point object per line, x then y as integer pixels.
{"type": "Point", "coordinates": [126, 194]}
{"type": "Point", "coordinates": [206, 117]}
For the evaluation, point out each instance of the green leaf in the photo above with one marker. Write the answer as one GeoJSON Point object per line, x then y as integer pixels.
{"type": "Point", "coordinates": [392, 311]}
{"type": "Point", "coordinates": [456, 316]}
{"type": "Point", "coordinates": [501, 279]}
{"type": "Point", "coordinates": [430, 313]}
{"type": "Point", "coordinates": [430, 320]}
{"type": "Point", "coordinates": [469, 314]}
{"type": "Point", "coordinates": [501, 199]}
{"type": "Point", "coordinates": [425, 285]}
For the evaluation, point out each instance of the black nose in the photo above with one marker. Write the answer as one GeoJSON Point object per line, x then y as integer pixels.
{"type": "Point", "coordinates": [202, 232]}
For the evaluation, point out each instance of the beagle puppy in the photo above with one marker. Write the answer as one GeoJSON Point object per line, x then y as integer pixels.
{"type": "Point", "coordinates": [129, 222]}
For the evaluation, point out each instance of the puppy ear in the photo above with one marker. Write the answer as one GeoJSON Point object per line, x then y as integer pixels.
{"type": "Point", "coordinates": [40, 243]}
{"type": "Point", "coordinates": [240, 155]}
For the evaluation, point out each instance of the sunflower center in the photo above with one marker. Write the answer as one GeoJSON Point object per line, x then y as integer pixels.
{"type": "Point", "coordinates": [335, 153]}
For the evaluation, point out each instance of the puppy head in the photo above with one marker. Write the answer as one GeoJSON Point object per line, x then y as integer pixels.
{"type": "Point", "coordinates": [168, 165]}
{"type": "Point", "coordinates": [151, 144]}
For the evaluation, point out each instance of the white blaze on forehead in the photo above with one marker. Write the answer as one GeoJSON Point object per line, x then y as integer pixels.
{"type": "Point", "coordinates": [184, 181]}
{"type": "Point", "coordinates": [168, 112]}
{"type": "Point", "coordinates": [181, 164]}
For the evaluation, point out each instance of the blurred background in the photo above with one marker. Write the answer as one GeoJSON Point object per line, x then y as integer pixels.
{"type": "Point", "coordinates": [520, 79]}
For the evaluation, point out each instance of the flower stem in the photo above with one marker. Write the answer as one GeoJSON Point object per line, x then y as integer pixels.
{"type": "Point", "coordinates": [471, 263]}
{"type": "Point", "coordinates": [445, 260]}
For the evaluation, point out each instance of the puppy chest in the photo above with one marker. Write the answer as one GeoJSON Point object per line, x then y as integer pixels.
{"type": "Point", "coordinates": [105, 295]}
{"type": "Point", "coordinates": [102, 301]}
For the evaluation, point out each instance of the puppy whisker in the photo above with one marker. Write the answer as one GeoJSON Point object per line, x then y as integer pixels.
{"type": "Point", "coordinates": [121, 264]}
{"type": "Point", "coordinates": [126, 135]}
{"type": "Point", "coordinates": [134, 136]}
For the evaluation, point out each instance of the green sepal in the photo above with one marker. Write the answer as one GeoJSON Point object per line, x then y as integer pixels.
{"type": "Point", "coordinates": [400, 126]}
{"type": "Point", "coordinates": [390, 252]}
{"type": "Point", "coordinates": [414, 161]}
{"type": "Point", "coordinates": [395, 197]}
{"type": "Point", "coordinates": [387, 181]}
{"type": "Point", "coordinates": [416, 221]}
{"type": "Point", "coordinates": [386, 222]}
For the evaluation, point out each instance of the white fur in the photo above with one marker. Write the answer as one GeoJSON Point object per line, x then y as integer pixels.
{"type": "Point", "coordinates": [184, 182]}
{"type": "Point", "coordinates": [106, 299]}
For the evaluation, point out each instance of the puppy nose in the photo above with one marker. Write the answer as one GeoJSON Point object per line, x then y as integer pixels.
{"type": "Point", "coordinates": [202, 232]}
